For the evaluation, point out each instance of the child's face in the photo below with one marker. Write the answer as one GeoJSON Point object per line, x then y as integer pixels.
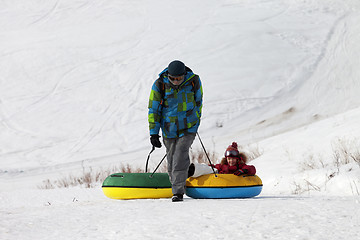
{"type": "Point", "coordinates": [231, 161]}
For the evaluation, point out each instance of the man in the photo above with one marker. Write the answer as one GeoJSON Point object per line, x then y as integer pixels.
{"type": "Point", "coordinates": [175, 107]}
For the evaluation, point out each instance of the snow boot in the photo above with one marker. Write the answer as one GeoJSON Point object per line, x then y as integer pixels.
{"type": "Point", "coordinates": [177, 198]}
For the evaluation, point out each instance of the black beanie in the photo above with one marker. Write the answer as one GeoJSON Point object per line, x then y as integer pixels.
{"type": "Point", "coordinates": [176, 68]}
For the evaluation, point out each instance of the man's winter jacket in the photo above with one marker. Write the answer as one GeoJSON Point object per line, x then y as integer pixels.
{"type": "Point", "coordinates": [175, 109]}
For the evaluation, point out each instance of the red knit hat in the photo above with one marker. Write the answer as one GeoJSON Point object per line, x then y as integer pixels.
{"type": "Point", "coordinates": [232, 151]}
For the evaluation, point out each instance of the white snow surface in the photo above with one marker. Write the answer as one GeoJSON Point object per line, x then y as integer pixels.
{"type": "Point", "coordinates": [280, 77]}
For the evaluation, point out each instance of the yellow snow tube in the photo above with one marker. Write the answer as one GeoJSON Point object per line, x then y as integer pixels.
{"type": "Point", "coordinates": [223, 186]}
{"type": "Point", "coordinates": [223, 180]}
{"type": "Point", "coordinates": [136, 193]}
{"type": "Point", "coordinates": [137, 185]}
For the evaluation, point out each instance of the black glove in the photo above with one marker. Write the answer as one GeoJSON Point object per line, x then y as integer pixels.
{"type": "Point", "coordinates": [154, 139]}
{"type": "Point", "coordinates": [239, 172]}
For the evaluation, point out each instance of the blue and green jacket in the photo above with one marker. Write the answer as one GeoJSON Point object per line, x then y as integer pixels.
{"type": "Point", "coordinates": [175, 109]}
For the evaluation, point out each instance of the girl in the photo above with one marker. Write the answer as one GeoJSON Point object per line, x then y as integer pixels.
{"type": "Point", "coordinates": [235, 162]}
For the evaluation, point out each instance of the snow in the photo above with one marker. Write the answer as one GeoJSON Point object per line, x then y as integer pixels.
{"type": "Point", "coordinates": [280, 77]}
{"type": "Point", "coordinates": [87, 214]}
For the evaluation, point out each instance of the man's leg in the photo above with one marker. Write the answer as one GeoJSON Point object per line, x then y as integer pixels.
{"type": "Point", "coordinates": [179, 161]}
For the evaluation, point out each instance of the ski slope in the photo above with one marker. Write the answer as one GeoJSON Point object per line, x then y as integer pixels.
{"type": "Point", "coordinates": [278, 76]}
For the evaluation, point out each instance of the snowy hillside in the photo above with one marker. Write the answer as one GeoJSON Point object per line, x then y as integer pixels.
{"type": "Point", "coordinates": [279, 76]}
{"type": "Point", "coordinates": [76, 76]}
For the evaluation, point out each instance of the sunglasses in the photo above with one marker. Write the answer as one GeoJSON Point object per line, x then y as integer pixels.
{"type": "Point", "coordinates": [232, 153]}
{"type": "Point", "coordinates": [176, 78]}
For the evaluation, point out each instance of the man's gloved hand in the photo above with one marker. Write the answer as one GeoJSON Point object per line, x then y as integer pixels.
{"type": "Point", "coordinates": [239, 172]}
{"type": "Point", "coordinates": [154, 139]}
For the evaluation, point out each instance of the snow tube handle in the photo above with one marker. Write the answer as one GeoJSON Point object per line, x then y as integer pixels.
{"type": "Point", "coordinates": [147, 160]}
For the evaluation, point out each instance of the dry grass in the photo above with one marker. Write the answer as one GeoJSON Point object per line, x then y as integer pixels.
{"type": "Point", "coordinates": [344, 152]}
{"type": "Point", "coordinates": [199, 156]}
{"type": "Point", "coordinates": [305, 186]}
{"type": "Point", "coordinates": [312, 161]}
{"type": "Point", "coordinates": [90, 178]}
{"type": "Point", "coordinates": [252, 151]}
